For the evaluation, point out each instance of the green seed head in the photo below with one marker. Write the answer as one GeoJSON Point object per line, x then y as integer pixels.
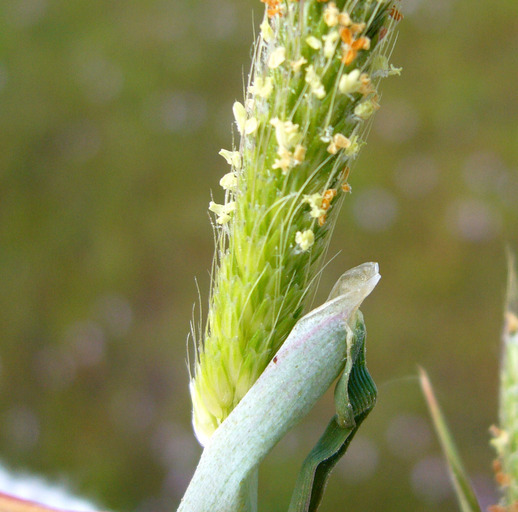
{"type": "Point", "coordinates": [312, 89]}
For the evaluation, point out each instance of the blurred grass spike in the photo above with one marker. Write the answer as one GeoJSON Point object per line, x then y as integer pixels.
{"type": "Point", "coordinates": [505, 437]}
{"type": "Point", "coordinates": [466, 496]}
{"type": "Point", "coordinates": [311, 94]}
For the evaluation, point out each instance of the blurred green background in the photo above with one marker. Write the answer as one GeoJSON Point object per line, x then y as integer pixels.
{"type": "Point", "coordinates": [111, 117]}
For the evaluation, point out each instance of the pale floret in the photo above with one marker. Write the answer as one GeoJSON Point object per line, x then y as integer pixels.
{"type": "Point", "coordinates": [366, 109]}
{"type": "Point", "coordinates": [315, 84]}
{"type": "Point", "coordinates": [251, 125]}
{"type": "Point", "coordinates": [394, 71]}
{"type": "Point", "coordinates": [229, 181]}
{"type": "Point", "coordinates": [314, 43]}
{"type": "Point", "coordinates": [305, 239]}
{"type": "Point", "coordinates": [299, 153]}
{"type": "Point", "coordinates": [331, 15]}
{"type": "Point", "coordinates": [354, 147]}
{"type": "Point", "coordinates": [222, 211]}
{"type": "Point", "coordinates": [277, 57]}
{"type": "Point", "coordinates": [244, 125]}
{"type": "Point", "coordinates": [286, 132]}
{"type": "Point", "coordinates": [330, 42]}
{"type": "Point", "coordinates": [240, 116]}
{"type": "Point", "coordinates": [262, 87]}
{"type": "Point", "coordinates": [344, 19]}
{"type": "Point", "coordinates": [285, 160]}
{"type": "Point", "coordinates": [296, 65]}
{"type": "Point", "coordinates": [381, 67]}
{"type": "Point", "coordinates": [350, 82]}
{"type": "Point", "coordinates": [338, 142]}
{"type": "Point", "coordinates": [232, 158]}
{"type": "Point", "coordinates": [266, 31]}
{"type": "Point", "coordinates": [315, 203]}
{"type": "Point", "coordinates": [290, 152]}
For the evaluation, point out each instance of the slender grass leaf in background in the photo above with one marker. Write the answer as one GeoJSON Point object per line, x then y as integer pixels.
{"type": "Point", "coordinates": [465, 494]}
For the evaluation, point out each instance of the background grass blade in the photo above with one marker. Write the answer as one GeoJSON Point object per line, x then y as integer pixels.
{"type": "Point", "coordinates": [465, 494]}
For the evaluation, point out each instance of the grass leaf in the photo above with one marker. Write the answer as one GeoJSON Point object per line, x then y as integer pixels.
{"type": "Point", "coordinates": [465, 494]}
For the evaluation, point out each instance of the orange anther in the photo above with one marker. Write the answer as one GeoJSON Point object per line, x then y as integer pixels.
{"type": "Point", "coordinates": [352, 46]}
{"type": "Point", "coordinates": [346, 35]}
{"type": "Point", "coordinates": [395, 14]}
{"type": "Point", "coordinates": [502, 479]}
{"type": "Point", "coordinates": [273, 7]}
{"type": "Point", "coordinates": [356, 28]}
{"type": "Point", "coordinates": [329, 194]}
{"type": "Point", "coordinates": [327, 197]}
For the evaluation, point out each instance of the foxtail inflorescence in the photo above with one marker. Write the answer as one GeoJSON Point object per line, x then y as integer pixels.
{"type": "Point", "coordinates": [312, 90]}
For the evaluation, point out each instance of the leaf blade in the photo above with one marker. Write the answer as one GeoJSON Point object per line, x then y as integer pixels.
{"type": "Point", "coordinates": [466, 496]}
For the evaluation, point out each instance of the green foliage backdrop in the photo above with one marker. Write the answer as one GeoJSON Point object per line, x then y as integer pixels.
{"type": "Point", "coordinates": [111, 117]}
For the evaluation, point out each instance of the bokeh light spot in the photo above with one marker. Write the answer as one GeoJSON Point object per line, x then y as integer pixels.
{"type": "Point", "coordinates": [176, 111]}
{"type": "Point", "coordinates": [408, 436]}
{"type": "Point", "coordinates": [25, 13]}
{"type": "Point", "coordinates": [54, 368]}
{"type": "Point", "coordinates": [484, 171]}
{"type": "Point", "coordinates": [79, 141]}
{"type": "Point", "coordinates": [430, 480]}
{"type": "Point", "coordinates": [361, 461]}
{"type": "Point", "coordinates": [417, 175]}
{"type": "Point", "coordinates": [397, 121]}
{"type": "Point", "coordinates": [102, 79]}
{"type": "Point", "coordinates": [473, 220]}
{"type": "Point", "coordinates": [133, 410]}
{"type": "Point", "coordinates": [86, 341]}
{"type": "Point", "coordinates": [116, 314]}
{"type": "Point", "coordinates": [220, 17]}
{"type": "Point", "coordinates": [21, 427]}
{"type": "Point", "coordinates": [375, 209]}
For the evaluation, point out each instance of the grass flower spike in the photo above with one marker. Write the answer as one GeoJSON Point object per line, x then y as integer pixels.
{"type": "Point", "coordinates": [312, 89]}
{"type": "Point", "coordinates": [505, 440]}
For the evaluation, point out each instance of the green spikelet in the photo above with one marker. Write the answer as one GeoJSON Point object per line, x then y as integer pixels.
{"type": "Point", "coordinates": [505, 438]}
{"type": "Point", "coordinates": [313, 88]}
